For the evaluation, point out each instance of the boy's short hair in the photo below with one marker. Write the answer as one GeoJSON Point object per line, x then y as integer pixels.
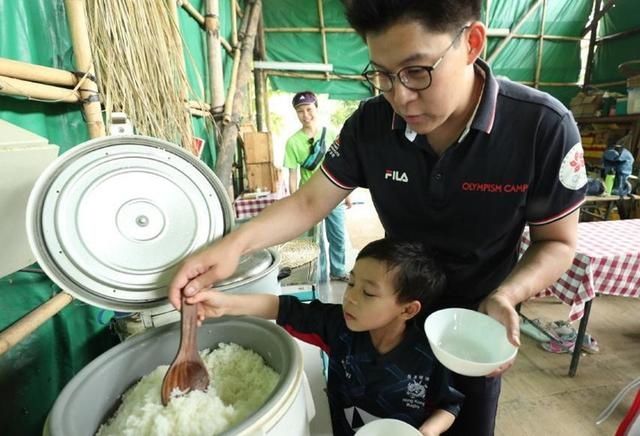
{"type": "Point", "coordinates": [446, 16]}
{"type": "Point", "coordinates": [416, 275]}
{"type": "Point", "coordinates": [304, 97]}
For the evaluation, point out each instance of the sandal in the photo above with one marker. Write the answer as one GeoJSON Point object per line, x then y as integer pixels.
{"type": "Point", "coordinates": [562, 330]}
{"type": "Point", "coordinates": [589, 344]}
{"type": "Point", "coordinates": [558, 346]}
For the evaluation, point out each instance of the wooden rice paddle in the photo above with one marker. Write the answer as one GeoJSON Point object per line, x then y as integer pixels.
{"type": "Point", "coordinates": [187, 372]}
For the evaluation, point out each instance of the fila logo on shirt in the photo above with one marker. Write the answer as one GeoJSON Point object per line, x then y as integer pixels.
{"type": "Point", "coordinates": [396, 176]}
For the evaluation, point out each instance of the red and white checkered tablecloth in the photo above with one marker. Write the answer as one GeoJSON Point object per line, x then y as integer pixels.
{"type": "Point", "coordinates": [247, 208]}
{"type": "Point", "coordinates": [607, 261]}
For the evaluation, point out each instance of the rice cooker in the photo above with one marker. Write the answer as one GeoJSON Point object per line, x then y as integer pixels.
{"type": "Point", "coordinates": [89, 398]}
{"type": "Point", "coordinates": [110, 221]}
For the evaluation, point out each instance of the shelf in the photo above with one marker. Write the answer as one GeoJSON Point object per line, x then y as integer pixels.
{"type": "Point", "coordinates": [615, 119]}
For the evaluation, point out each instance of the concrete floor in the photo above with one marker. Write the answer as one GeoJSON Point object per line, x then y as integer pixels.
{"type": "Point", "coordinates": [538, 397]}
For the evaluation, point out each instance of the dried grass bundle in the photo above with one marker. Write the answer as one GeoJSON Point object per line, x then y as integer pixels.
{"type": "Point", "coordinates": [138, 56]}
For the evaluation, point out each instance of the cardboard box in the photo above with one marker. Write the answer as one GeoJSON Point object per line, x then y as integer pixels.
{"type": "Point", "coordinates": [258, 147]}
{"type": "Point", "coordinates": [262, 176]}
{"type": "Point", "coordinates": [583, 105]}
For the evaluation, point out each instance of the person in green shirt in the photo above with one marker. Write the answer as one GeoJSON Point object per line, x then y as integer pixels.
{"type": "Point", "coordinates": [298, 149]}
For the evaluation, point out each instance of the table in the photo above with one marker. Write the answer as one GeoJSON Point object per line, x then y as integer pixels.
{"type": "Point", "coordinates": [623, 203]}
{"type": "Point", "coordinates": [607, 261]}
{"type": "Point", "coordinates": [249, 207]}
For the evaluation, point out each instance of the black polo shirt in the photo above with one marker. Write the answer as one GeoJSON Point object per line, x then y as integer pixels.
{"type": "Point", "coordinates": [519, 161]}
{"type": "Point", "coordinates": [407, 383]}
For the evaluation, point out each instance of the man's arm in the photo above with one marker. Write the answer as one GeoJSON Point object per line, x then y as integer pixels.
{"type": "Point", "coordinates": [293, 180]}
{"type": "Point", "coordinates": [547, 258]}
{"type": "Point", "coordinates": [284, 220]}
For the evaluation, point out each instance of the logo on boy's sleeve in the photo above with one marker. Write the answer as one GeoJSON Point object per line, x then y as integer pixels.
{"type": "Point", "coordinates": [573, 174]}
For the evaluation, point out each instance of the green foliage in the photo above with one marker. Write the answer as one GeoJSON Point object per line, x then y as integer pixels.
{"type": "Point", "coordinates": [343, 111]}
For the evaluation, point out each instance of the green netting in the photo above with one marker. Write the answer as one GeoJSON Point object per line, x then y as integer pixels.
{"type": "Point", "coordinates": [33, 373]}
{"type": "Point", "coordinates": [348, 54]}
{"type": "Point", "coordinates": [611, 53]}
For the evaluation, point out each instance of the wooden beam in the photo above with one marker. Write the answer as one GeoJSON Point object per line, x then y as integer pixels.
{"type": "Point", "coordinates": [592, 45]}
{"type": "Point", "coordinates": [613, 36]}
{"type": "Point", "coordinates": [596, 18]}
{"type": "Point", "coordinates": [514, 29]}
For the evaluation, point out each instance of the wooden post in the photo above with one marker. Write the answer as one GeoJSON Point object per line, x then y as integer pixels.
{"type": "Point", "coordinates": [76, 15]}
{"type": "Point", "coordinates": [592, 43]}
{"type": "Point", "coordinates": [216, 75]}
{"type": "Point", "coordinates": [230, 131]}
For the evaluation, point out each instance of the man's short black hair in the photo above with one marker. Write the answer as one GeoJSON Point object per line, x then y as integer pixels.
{"type": "Point", "coordinates": [416, 275]}
{"type": "Point", "coordinates": [446, 16]}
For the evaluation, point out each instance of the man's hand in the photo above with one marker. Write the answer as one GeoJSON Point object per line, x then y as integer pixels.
{"type": "Point", "coordinates": [203, 269]}
{"type": "Point", "coordinates": [499, 307]}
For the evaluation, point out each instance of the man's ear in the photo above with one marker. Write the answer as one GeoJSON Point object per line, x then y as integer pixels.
{"type": "Point", "coordinates": [475, 41]}
{"type": "Point", "coordinates": [411, 309]}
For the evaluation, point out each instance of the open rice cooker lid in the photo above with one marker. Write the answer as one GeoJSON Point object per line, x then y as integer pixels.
{"type": "Point", "coordinates": [110, 220]}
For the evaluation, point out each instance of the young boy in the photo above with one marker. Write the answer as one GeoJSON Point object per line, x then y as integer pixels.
{"type": "Point", "coordinates": [380, 362]}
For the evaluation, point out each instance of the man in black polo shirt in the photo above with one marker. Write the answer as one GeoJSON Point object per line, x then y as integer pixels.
{"type": "Point", "coordinates": [453, 157]}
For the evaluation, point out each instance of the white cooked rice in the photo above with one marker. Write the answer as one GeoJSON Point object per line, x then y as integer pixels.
{"type": "Point", "coordinates": [240, 382]}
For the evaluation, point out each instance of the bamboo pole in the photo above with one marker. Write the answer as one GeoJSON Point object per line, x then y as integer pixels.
{"type": "Point", "coordinates": [76, 15]}
{"type": "Point", "coordinates": [193, 12]}
{"type": "Point", "coordinates": [216, 74]}
{"type": "Point", "coordinates": [281, 73]}
{"type": "Point", "coordinates": [234, 23]}
{"type": "Point", "coordinates": [323, 35]}
{"type": "Point", "coordinates": [486, 19]}
{"type": "Point", "coordinates": [540, 45]}
{"type": "Point", "coordinates": [308, 29]}
{"type": "Point", "coordinates": [227, 148]}
{"type": "Point", "coordinates": [187, 142]}
{"type": "Point", "coordinates": [513, 30]}
{"type": "Point", "coordinates": [592, 43]}
{"type": "Point", "coordinates": [37, 73]}
{"type": "Point", "coordinates": [30, 322]}
{"type": "Point", "coordinates": [37, 91]}
{"type": "Point", "coordinates": [260, 81]}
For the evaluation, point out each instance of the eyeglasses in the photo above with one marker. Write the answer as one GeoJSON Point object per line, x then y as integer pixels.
{"type": "Point", "coordinates": [413, 77]}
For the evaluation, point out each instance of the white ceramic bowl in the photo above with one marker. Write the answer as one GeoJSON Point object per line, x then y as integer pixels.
{"type": "Point", "coordinates": [468, 342]}
{"type": "Point", "coordinates": [387, 427]}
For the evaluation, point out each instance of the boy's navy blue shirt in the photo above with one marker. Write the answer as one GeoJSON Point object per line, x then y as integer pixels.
{"type": "Point", "coordinates": [407, 383]}
{"type": "Point", "coordinates": [519, 161]}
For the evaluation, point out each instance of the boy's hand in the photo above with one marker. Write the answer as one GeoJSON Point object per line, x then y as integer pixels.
{"type": "Point", "coordinates": [211, 304]}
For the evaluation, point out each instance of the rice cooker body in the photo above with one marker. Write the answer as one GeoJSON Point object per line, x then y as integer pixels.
{"type": "Point", "coordinates": [110, 220]}
{"type": "Point", "coordinates": [287, 411]}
